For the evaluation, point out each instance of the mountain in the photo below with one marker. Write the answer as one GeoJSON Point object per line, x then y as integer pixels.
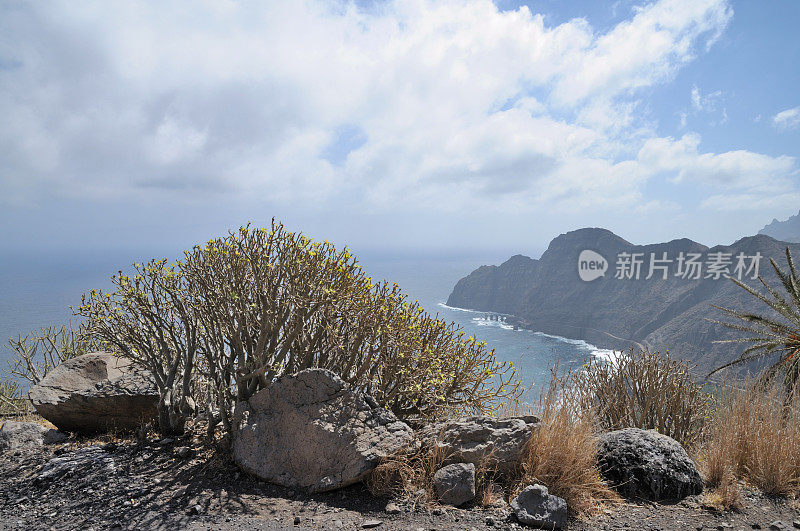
{"type": "Point", "coordinates": [788, 231]}
{"type": "Point", "coordinates": [548, 294]}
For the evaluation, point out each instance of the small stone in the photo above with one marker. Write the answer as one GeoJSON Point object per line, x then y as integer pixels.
{"type": "Point", "coordinates": [296, 520]}
{"type": "Point", "coordinates": [777, 525]}
{"type": "Point", "coordinates": [455, 484]}
{"type": "Point", "coordinates": [755, 526]}
{"type": "Point", "coordinates": [166, 440]}
{"type": "Point", "coordinates": [195, 509]}
{"type": "Point", "coordinates": [369, 524]}
{"type": "Point", "coordinates": [392, 508]}
{"type": "Point", "coordinates": [438, 511]}
{"type": "Point", "coordinates": [183, 452]}
{"type": "Point", "coordinates": [796, 524]}
{"type": "Point", "coordinates": [490, 521]}
{"type": "Point", "coordinates": [537, 507]}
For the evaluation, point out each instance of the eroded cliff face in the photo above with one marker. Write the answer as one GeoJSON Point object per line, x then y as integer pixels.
{"type": "Point", "coordinates": [669, 313]}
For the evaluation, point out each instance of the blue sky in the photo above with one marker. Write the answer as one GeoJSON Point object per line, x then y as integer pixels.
{"type": "Point", "coordinates": [403, 124]}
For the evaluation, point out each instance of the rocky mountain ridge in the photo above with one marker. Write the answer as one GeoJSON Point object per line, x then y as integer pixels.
{"type": "Point", "coordinates": [624, 308]}
{"type": "Point", "coordinates": [788, 230]}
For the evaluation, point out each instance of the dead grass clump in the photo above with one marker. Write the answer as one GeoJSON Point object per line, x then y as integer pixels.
{"type": "Point", "coordinates": [726, 496]}
{"type": "Point", "coordinates": [643, 389]}
{"type": "Point", "coordinates": [562, 453]}
{"type": "Point", "coordinates": [755, 433]}
{"type": "Point", "coordinates": [408, 475]}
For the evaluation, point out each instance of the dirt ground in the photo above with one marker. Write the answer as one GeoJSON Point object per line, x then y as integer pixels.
{"type": "Point", "coordinates": [148, 485]}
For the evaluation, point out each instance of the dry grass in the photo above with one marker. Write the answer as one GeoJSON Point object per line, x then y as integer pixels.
{"type": "Point", "coordinates": [562, 453]}
{"type": "Point", "coordinates": [408, 475]}
{"type": "Point", "coordinates": [726, 495]}
{"type": "Point", "coordinates": [642, 389]}
{"type": "Point", "coordinates": [755, 433]}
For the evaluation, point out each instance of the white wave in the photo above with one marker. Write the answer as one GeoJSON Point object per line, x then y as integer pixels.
{"type": "Point", "coordinates": [480, 321]}
{"type": "Point", "coordinates": [599, 353]}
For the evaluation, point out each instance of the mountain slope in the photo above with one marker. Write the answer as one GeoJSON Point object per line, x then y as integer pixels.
{"type": "Point", "coordinates": [787, 231]}
{"type": "Point", "coordinates": [548, 295]}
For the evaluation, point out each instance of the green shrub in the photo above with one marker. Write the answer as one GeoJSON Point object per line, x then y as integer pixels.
{"type": "Point", "coordinates": [778, 333]}
{"type": "Point", "coordinates": [35, 355]}
{"type": "Point", "coordinates": [150, 319]}
{"type": "Point", "coordinates": [245, 308]}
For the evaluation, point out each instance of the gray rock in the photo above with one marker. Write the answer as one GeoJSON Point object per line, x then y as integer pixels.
{"type": "Point", "coordinates": [392, 508]}
{"type": "Point", "coordinates": [183, 452]}
{"type": "Point", "coordinates": [94, 393]}
{"type": "Point", "coordinates": [312, 431]}
{"type": "Point", "coordinates": [455, 484]}
{"type": "Point", "coordinates": [535, 506]}
{"type": "Point", "coordinates": [481, 440]}
{"type": "Point", "coordinates": [79, 462]}
{"type": "Point", "coordinates": [647, 465]}
{"type": "Point", "coordinates": [26, 435]}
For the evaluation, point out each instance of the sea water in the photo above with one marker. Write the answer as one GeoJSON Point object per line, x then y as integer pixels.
{"type": "Point", "coordinates": [37, 289]}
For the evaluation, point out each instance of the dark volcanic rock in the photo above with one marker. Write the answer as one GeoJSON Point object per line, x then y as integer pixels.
{"type": "Point", "coordinates": [95, 392]}
{"type": "Point", "coordinates": [455, 484]}
{"type": "Point", "coordinates": [647, 465]}
{"type": "Point", "coordinates": [310, 430]}
{"type": "Point", "coordinates": [535, 506]}
{"type": "Point", "coordinates": [548, 295]}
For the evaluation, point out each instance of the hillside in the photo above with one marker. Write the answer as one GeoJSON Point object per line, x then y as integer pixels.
{"type": "Point", "coordinates": [788, 231]}
{"type": "Point", "coordinates": [548, 295]}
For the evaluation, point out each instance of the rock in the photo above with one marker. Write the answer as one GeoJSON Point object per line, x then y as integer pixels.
{"type": "Point", "coordinates": [312, 431]}
{"type": "Point", "coordinates": [369, 524]}
{"type": "Point", "coordinates": [183, 452]}
{"type": "Point", "coordinates": [392, 508]}
{"type": "Point", "coordinates": [16, 436]}
{"type": "Point", "coordinates": [455, 484]}
{"type": "Point", "coordinates": [796, 524]}
{"type": "Point", "coordinates": [535, 506]}
{"type": "Point", "coordinates": [296, 520]}
{"type": "Point", "coordinates": [481, 440]}
{"type": "Point", "coordinates": [79, 462]}
{"type": "Point", "coordinates": [94, 393]}
{"type": "Point", "coordinates": [777, 525]}
{"type": "Point", "coordinates": [647, 465]}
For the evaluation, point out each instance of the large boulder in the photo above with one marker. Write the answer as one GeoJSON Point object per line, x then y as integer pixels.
{"type": "Point", "coordinates": [536, 507]}
{"type": "Point", "coordinates": [16, 436]}
{"type": "Point", "coordinates": [647, 465]}
{"type": "Point", "coordinates": [96, 392]}
{"type": "Point", "coordinates": [481, 440]}
{"type": "Point", "coordinates": [455, 484]}
{"type": "Point", "coordinates": [312, 431]}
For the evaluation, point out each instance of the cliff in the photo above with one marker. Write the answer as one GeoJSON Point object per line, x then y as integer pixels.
{"type": "Point", "coordinates": [669, 313]}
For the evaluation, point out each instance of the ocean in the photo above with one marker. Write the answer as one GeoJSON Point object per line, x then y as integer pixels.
{"type": "Point", "coordinates": [37, 289]}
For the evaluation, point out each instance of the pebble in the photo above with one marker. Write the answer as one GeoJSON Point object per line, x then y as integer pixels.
{"type": "Point", "coordinates": [296, 520]}
{"type": "Point", "coordinates": [183, 452]}
{"type": "Point", "coordinates": [490, 521]}
{"type": "Point", "coordinates": [796, 524]}
{"type": "Point", "coordinates": [777, 525]}
{"type": "Point", "coordinates": [369, 524]}
{"type": "Point", "coordinates": [392, 508]}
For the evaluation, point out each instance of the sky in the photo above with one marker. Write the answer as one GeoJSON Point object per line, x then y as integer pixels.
{"type": "Point", "coordinates": [406, 125]}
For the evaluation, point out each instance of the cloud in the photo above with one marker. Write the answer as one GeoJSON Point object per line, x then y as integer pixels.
{"type": "Point", "coordinates": [447, 104]}
{"type": "Point", "coordinates": [788, 119]}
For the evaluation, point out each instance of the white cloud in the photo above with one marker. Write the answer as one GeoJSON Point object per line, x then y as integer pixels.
{"type": "Point", "coordinates": [458, 103]}
{"type": "Point", "coordinates": [788, 119]}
